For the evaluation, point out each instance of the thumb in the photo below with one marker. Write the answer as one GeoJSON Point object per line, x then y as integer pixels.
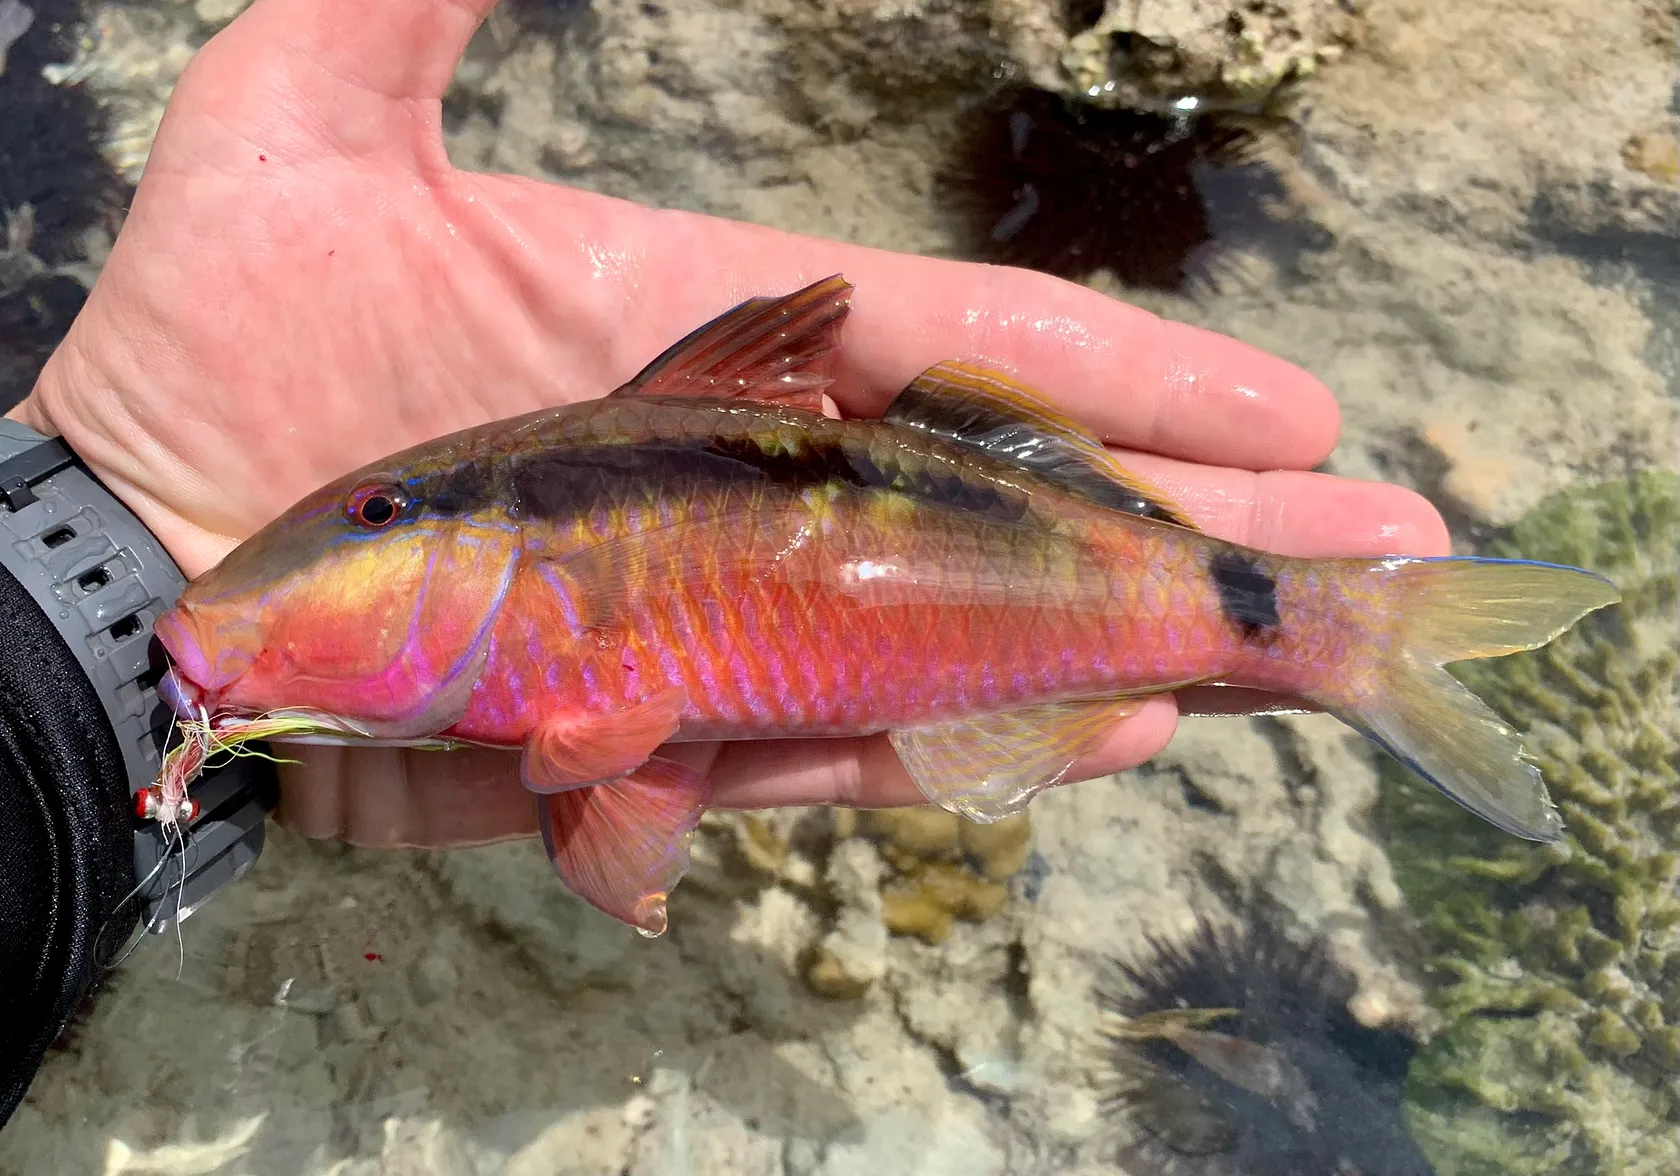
{"type": "Point", "coordinates": [358, 78]}
{"type": "Point", "coordinates": [399, 50]}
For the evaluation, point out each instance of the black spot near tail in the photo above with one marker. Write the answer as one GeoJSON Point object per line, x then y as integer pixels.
{"type": "Point", "coordinates": [1247, 593]}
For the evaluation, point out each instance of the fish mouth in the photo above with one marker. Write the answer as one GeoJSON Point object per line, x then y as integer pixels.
{"type": "Point", "coordinates": [191, 702]}
{"type": "Point", "coordinates": [195, 683]}
{"type": "Point", "coordinates": [183, 696]}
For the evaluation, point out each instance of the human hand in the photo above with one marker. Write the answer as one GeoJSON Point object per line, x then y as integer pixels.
{"type": "Point", "coordinates": [305, 284]}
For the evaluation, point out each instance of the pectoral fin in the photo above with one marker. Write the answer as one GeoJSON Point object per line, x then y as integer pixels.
{"type": "Point", "coordinates": [623, 847]}
{"type": "Point", "coordinates": [569, 751]}
{"type": "Point", "coordinates": [988, 768]}
{"type": "Point", "coordinates": [779, 350]}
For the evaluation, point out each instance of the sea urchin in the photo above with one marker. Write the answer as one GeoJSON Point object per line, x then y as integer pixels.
{"type": "Point", "coordinates": [1235, 1054]}
{"type": "Point", "coordinates": [1071, 188]}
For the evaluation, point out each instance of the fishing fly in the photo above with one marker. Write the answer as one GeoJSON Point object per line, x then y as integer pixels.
{"type": "Point", "coordinates": [205, 742]}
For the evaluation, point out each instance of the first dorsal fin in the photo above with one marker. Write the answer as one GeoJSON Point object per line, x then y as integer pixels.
{"type": "Point", "coordinates": [995, 413]}
{"type": "Point", "coordinates": [779, 350]}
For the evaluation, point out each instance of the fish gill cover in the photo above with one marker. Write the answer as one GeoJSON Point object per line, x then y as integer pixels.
{"type": "Point", "coordinates": [1557, 968]}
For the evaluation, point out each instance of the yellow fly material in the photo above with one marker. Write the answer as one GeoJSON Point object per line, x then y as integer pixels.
{"type": "Point", "coordinates": [202, 738]}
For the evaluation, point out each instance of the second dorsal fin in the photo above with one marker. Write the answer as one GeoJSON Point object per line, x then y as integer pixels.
{"type": "Point", "coordinates": [992, 411]}
{"type": "Point", "coordinates": [779, 350]}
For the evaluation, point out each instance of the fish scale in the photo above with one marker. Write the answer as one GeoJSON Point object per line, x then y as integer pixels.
{"type": "Point", "coordinates": [1119, 640]}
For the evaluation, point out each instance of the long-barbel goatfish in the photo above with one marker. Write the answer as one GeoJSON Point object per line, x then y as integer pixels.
{"type": "Point", "coordinates": [705, 554]}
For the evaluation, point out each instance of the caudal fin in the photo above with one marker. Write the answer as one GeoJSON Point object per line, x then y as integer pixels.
{"type": "Point", "coordinates": [1455, 610]}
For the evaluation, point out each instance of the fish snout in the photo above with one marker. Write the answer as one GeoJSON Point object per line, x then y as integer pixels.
{"type": "Point", "coordinates": [204, 665]}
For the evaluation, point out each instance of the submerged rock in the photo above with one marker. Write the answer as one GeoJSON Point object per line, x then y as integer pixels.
{"type": "Point", "coordinates": [1131, 50]}
{"type": "Point", "coordinates": [945, 867]}
{"type": "Point", "coordinates": [1558, 967]}
{"type": "Point", "coordinates": [1120, 52]}
{"type": "Point", "coordinates": [59, 201]}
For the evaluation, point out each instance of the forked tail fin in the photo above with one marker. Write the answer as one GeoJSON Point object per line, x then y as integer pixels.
{"type": "Point", "coordinates": [1455, 610]}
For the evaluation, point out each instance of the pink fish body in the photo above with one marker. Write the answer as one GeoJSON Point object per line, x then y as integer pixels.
{"type": "Point", "coordinates": [705, 555]}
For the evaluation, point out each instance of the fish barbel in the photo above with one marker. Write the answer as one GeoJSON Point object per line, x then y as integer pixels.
{"type": "Point", "coordinates": [704, 554]}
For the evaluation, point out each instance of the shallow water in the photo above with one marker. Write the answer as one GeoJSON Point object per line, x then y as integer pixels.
{"type": "Point", "coordinates": [1480, 262]}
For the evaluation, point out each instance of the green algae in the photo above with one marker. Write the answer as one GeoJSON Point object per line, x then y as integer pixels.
{"type": "Point", "coordinates": [1556, 969]}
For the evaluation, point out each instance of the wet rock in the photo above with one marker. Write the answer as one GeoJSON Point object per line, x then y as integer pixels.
{"type": "Point", "coordinates": [15, 19]}
{"type": "Point", "coordinates": [685, 1131]}
{"type": "Point", "coordinates": [1134, 52]}
{"type": "Point", "coordinates": [940, 1140]}
{"type": "Point", "coordinates": [514, 888]}
{"type": "Point", "coordinates": [1493, 118]}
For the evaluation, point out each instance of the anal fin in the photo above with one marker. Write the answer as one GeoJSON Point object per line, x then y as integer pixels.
{"type": "Point", "coordinates": [623, 847]}
{"type": "Point", "coordinates": [990, 767]}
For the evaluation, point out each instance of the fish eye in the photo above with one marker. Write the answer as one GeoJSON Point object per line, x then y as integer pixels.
{"type": "Point", "coordinates": [373, 507]}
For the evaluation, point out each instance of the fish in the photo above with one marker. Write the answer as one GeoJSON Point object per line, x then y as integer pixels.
{"type": "Point", "coordinates": [705, 553]}
{"type": "Point", "coordinates": [1251, 1066]}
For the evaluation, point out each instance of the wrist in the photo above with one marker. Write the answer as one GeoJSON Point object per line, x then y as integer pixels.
{"type": "Point", "coordinates": [82, 731]}
{"type": "Point", "coordinates": [72, 401]}
{"type": "Point", "coordinates": [101, 579]}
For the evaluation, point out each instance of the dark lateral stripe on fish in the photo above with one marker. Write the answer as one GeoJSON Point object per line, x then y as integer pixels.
{"type": "Point", "coordinates": [460, 490]}
{"type": "Point", "coordinates": [1247, 594]}
{"type": "Point", "coordinates": [570, 482]}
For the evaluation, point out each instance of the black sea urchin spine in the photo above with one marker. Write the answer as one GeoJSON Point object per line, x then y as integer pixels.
{"type": "Point", "coordinates": [1288, 1084]}
{"type": "Point", "coordinates": [1072, 188]}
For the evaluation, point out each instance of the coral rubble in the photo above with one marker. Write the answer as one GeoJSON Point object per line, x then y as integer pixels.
{"type": "Point", "coordinates": [947, 868]}
{"type": "Point", "coordinates": [1558, 967]}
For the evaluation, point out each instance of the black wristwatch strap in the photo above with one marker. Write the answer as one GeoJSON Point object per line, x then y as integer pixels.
{"type": "Point", "coordinates": [103, 580]}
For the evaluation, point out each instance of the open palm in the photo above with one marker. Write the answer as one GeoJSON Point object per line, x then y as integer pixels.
{"type": "Point", "coordinates": [305, 283]}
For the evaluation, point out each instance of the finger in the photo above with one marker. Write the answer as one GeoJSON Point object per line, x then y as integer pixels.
{"type": "Point", "coordinates": [1227, 701]}
{"type": "Point", "coordinates": [391, 797]}
{"type": "Point", "coordinates": [866, 773]}
{"type": "Point", "coordinates": [396, 49]}
{"type": "Point", "coordinates": [1297, 513]}
{"type": "Point", "coordinates": [647, 277]}
{"type": "Point", "coordinates": [1138, 380]}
